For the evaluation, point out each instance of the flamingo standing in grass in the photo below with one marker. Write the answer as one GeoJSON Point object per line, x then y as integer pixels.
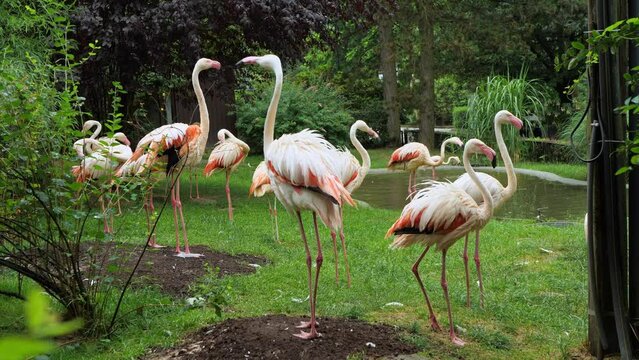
{"type": "Point", "coordinates": [261, 185]}
{"type": "Point", "coordinates": [300, 167]}
{"type": "Point", "coordinates": [414, 155]}
{"type": "Point", "coordinates": [352, 174]}
{"type": "Point", "coordinates": [100, 162]}
{"type": "Point", "coordinates": [498, 192]}
{"type": "Point", "coordinates": [227, 155]}
{"type": "Point", "coordinates": [440, 215]}
{"type": "Point", "coordinates": [172, 145]}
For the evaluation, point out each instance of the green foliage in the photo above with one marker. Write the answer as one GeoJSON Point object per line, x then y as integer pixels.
{"type": "Point", "coordinates": [319, 108]}
{"type": "Point", "coordinates": [450, 94]}
{"type": "Point", "coordinates": [210, 291]}
{"type": "Point", "coordinates": [41, 324]}
{"type": "Point", "coordinates": [520, 96]}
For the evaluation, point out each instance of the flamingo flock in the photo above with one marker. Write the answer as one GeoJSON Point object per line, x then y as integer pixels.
{"type": "Point", "coordinates": [305, 172]}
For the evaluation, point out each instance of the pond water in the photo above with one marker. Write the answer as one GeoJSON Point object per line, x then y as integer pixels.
{"type": "Point", "coordinates": [555, 200]}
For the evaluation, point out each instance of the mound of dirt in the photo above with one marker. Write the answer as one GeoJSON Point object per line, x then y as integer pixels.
{"type": "Point", "coordinates": [271, 337]}
{"type": "Point", "coordinates": [171, 273]}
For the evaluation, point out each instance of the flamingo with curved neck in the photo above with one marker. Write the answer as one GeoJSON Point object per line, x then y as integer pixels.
{"type": "Point", "coordinates": [498, 192]}
{"type": "Point", "coordinates": [196, 155]}
{"type": "Point", "coordinates": [414, 155]}
{"type": "Point", "coordinates": [302, 178]}
{"type": "Point", "coordinates": [440, 215]}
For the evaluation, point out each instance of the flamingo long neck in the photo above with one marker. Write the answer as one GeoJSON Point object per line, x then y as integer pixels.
{"type": "Point", "coordinates": [97, 131]}
{"type": "Point", "coordinates": [223, 134]}
{"type": "Point", "coordinates": [366, 159]}
{"type": "Point", "coordinates": [204, 111]}
{"type": "Point", "coordinates": [442, 150]}
{"type": "Point", "coordinates": [269, 125]}
{"type": "Point", "coordinates": [487, 206]}
{"type": "Point", "coordinates": [88, 150]}
{"type": "Point", "coordinates": [508, 164]}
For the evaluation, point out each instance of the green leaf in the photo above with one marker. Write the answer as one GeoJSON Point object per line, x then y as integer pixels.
{"type": "Point", "coordinates": [21, 347]}
{"type": "Point", "coordinates": [623, 169]}
{"type": "Point", "coordinates": [635, 159]}
{"type": "Point", "coordinates": [36, 311]}
{"type": "Point", "coordinates": [578, 45]}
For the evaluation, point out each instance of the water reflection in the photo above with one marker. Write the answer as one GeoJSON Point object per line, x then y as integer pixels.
{"type": "Point", "coordinates": [555, 200]}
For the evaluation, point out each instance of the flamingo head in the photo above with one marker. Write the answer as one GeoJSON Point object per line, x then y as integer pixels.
{"type": "Point", "coordinates": [361, 125]}
{"type": "Point", "coordinates": [477, 146]}
{"type": "Point", "coordinates": [457, 141]}
{"type": "Point", "coordinates": [268, 61]}
{"type": "Point", "coordinates": [221, 134]}
{"type": "Point", "coordinates": [122, 138]}
{"type": "Point", "coordinates": [505, 116]}
{"type": "Point", "coordinates": [205, 63]}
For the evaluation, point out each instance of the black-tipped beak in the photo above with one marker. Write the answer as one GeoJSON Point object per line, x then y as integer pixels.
{"type": "Point", "coordinates": [494, 162]}
{"type": "Point", "coordinates": [239, 64]}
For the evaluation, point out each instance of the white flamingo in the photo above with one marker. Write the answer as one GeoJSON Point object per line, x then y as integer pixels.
{"type": "Point", "coordinates": [352, 175]}
{"type": "Point", "coordinates": [440, 215]}
{"type": "Point", "coordinates": [498, 192]}
{"type": "Point", "coordinates": [227, 155]}
{"type": "Point", "coordinates": [303, 177]}
{"type": "Point", "coordinates": [172, 145]}
{"type": "Point", "coordinates": [414, 155]}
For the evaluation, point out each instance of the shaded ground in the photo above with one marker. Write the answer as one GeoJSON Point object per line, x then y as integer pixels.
{"type": "Point", "coordinates": [271, 337]}
{"type": "Point", "coordinates": [161, 267]}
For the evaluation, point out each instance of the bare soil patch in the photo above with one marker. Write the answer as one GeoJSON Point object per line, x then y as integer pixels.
{"type": "Point", "coordinates": [162, 268]}
{"type": "Point", "coordinates": [271, 337]}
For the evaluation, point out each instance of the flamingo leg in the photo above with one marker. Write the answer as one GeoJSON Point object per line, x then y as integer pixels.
{"type": "Point", "coordinates": [117, 194]}
{"type": "Point", "coordinates": [197, 188]}
{"type": "Point", "coordinates": [106, 229]}
{"type": "Point", "coordinates": [150, 209]}
{"type": "Point", "coordinates": [410, 181]}
{"type": "Point", "coordinates": [228, 195]}
{"type": "Point", "coordinates": [334, 238]}
{"type": "Point", "coordinates": [191, 184]}
{"type": "Point", "coordinates": [313, 333]}
{"type": "Point", "coordinates": [456, 340]}
{"type": "Point", "coordinates": [478, 265]}
{"type": "Point", "coordinates": [277, 227]}
{"type": "Point", "coordinates": [414, 182]}
{"type": "Point", "coordinates": [433, 172]}
{"type": "Point", "coordinates": [187, 251]}
{"type": "Point", "coordinates": [175, 216]}
{"type": "Point", "coordinates": [341, 237]}
{"type": "Point", "coordinates": [465, 257]}
{"type": "Point", "coordinates": [415, 269]}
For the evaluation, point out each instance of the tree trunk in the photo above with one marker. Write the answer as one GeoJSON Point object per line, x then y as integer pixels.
{"type": "Point", "coordinates": [389, 72]}
{"type": "Point", "coordinates": [426, 74]}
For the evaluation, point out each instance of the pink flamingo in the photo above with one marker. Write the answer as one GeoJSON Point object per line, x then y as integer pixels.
{"type": "Point", "coordinates": [351, 174]}
{"type": "Point", "coordinates": [261, 185]}
{"type": "Point", "coordinates": [498, 193]}
{"type": "Point", "coordinates": [303, 178]}
{"type": "Point", "coordinates": [440, 215]}
{"type": "Point", "coordinates": [99, 162]}
{"type": "Point", "coordinates": [172, 145]}
{"type": "Point", "coordinates": [227, 155]}
{"type": "Point", "coordinates": [414, 155]}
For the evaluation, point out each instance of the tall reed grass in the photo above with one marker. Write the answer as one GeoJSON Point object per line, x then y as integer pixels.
{"type": "Point", "coordinates": [520, 96]}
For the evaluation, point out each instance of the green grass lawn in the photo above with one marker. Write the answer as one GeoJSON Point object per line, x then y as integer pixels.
{"type": "Point", "coordinates": [536, 303]}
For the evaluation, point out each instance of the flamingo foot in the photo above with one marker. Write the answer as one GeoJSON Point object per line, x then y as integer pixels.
{"type": "Point", "coordinates": [308, 335]}
{"type": "Point", "coordinates": [434, 324]}
{"type": "Point", "coordinates": [455, 340]}
{"type": "Point", "coordinates": [156, 246]}
{"type": "Point", "coordinates": [306, 324]}
{"type": "Point", "coordinates": [183, 254]}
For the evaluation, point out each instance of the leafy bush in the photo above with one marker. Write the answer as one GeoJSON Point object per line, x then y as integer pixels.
{"type": "Point", "coordinates": [519, 95]}
{"type": "Point", "coordinates": [449, 94]}
{"type": "Point", "coordinates": [318, 108]}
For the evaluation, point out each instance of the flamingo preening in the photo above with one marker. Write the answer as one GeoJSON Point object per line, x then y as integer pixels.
{"type": "Point", "coordinates": [100, 162]}
{"type": "Point", "coordinates": [498, 193]}
{"type": "Point", "coordinates": [227, 155]}
{"type": "Point", "coordinates": [440, 215]}
{"type": "Point", "coordinates": [261, 185]}
{"type": "Point", "coordinates": [172, 145]}
{"type": "Point", "coordinates": [300, 167]}
{"type": "Point", "coordinates": [414, 155]}
{"type": "Point", "coordinates": [351, 174]}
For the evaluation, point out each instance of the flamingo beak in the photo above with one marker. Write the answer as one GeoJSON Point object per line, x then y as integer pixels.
{"type": "Point", "coordinates": [372, 133]}
{"type": "Point", "coordinates": [247, 60]}
{"type": "Point", "coordinates": [493, 162]}
{"type": "Point", "coordinates": [516, 121]}
{"type": "Point", "coordinates": [216, 65]}
{"type": "Point", "coordinates": [126, 141]}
